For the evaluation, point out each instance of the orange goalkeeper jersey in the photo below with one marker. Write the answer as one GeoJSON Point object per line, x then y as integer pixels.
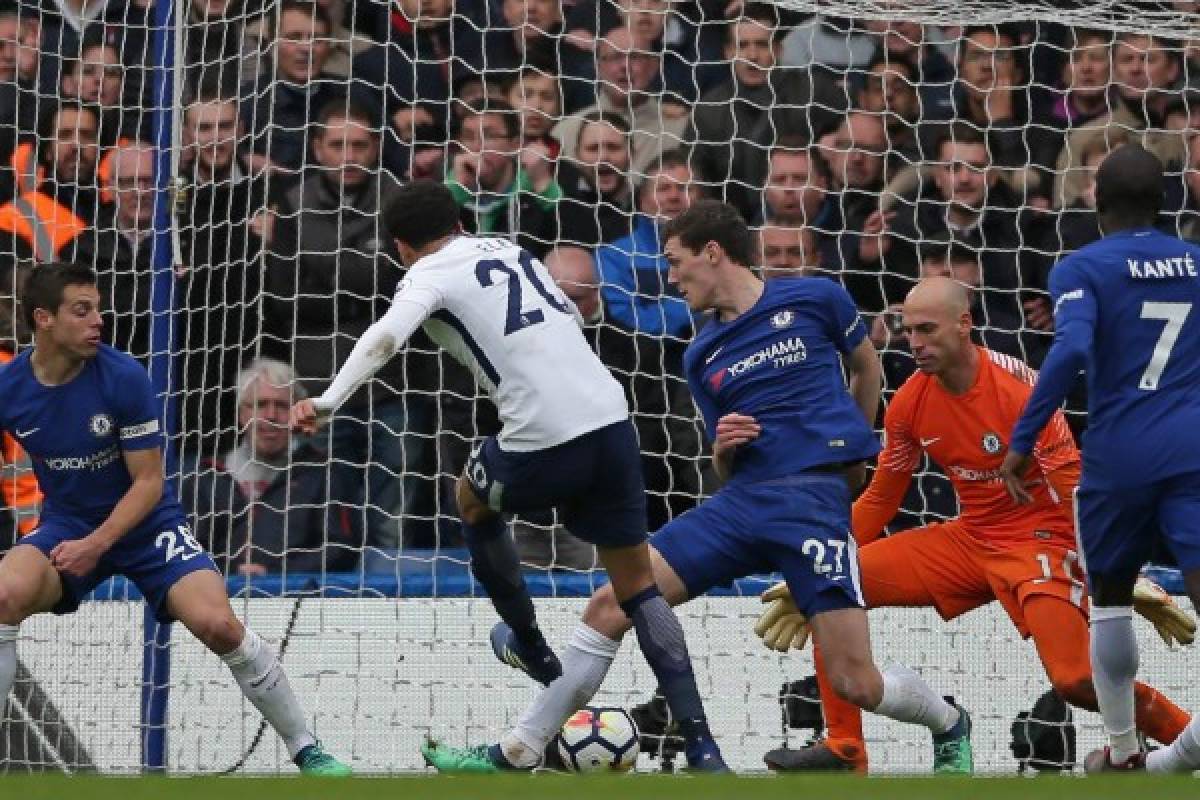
{"type": "Point", "coordinates": [967, 436]}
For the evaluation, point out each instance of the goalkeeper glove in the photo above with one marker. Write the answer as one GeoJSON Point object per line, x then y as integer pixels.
{"type": "Point", "coordinates": [1173, 624]}
{"type": "Point", "coordinates": [781, 627]}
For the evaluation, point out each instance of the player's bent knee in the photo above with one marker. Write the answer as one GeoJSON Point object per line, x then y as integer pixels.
{"type": "Point", "coordinates": [220, 632]}
{"type": "Point", "coordinates": [855, 688]}
{"type": "Point", "coordinates": [604, 615]}
{"type": "Point", "coordinates": [11, 608]}
{"type": "Point", "coordinates": [470, 509]}
{"type": "Point", "coordinates": [19, 600]}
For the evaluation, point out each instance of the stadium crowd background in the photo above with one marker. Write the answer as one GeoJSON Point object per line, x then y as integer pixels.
{"type": "Point", "coordinates": [868, 152]}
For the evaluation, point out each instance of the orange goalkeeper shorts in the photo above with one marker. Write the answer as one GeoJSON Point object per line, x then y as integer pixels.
{"type": "Point", "coordinates": [947, 568]}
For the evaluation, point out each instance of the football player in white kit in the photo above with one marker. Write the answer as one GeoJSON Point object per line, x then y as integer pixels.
{"type": "Point", "coordinates": [566, 441]}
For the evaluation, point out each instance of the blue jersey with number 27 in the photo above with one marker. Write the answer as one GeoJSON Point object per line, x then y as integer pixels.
{"type": "Point", "coordinates": [780, 362]}
{"type": "Point", "coordinates": [1126, 309]}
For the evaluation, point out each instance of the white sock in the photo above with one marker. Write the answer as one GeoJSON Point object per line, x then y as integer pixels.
{"type": "Point", "coordinates": [907, 698]}
{"type": "Point", "coordinates": [1182, 755]}
{"type": "Point", "coordinates": [8, 661]}
{"type": "Point", "coordinates": [1114, 667]}
{"type": "Point", "coordinates": [585, 663]}
{"type": "Point", "coordinates": [261, 676]}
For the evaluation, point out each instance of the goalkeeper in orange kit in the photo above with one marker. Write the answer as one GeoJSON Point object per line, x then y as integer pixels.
{"type": "Point", "coordinates": [956, 408]}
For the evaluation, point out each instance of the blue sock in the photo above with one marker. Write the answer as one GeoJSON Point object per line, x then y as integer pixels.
{"type": "Point", "coordinates": [496, 565]}
{"type": "Point", "coordinates": [660, 637]}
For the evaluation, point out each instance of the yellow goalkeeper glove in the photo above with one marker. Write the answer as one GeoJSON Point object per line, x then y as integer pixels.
{"type": "Point", "coordinates": [781, 627]}
{"type": "Point", "coordinates": [1173, 624]}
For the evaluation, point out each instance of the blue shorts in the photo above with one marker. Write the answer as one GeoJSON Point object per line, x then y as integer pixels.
{"type": "Point", "coordinates": [798, 526]}
{"type": "Point", "coordinates": [1118, 528]}
{"type": "Point", "coordinates": [153, 558]}
{"type": "Point", "coordinates": [595, 480]}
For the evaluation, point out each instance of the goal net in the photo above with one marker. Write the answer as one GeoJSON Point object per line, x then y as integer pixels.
{"type": "Point", "coordinates": [223, 165]}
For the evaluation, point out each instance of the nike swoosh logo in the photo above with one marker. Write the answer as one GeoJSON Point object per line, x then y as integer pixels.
{"type": "Point", "coordinates": [30, 432]}
{"type": "Point", "coordinates": [713, 355]}
{"type": "Point", "coordinates": [927, 442]}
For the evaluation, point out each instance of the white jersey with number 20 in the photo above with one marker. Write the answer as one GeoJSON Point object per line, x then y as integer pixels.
{"type": "Point", "coordinates": [496, 309]}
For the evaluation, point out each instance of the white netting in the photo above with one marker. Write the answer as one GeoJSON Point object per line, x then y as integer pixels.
{"type": "Point", "coordinates": [869, 142]}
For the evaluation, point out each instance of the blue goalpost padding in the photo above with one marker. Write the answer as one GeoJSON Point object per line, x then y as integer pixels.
{"type": "Point", "coordinates": [156, 664]}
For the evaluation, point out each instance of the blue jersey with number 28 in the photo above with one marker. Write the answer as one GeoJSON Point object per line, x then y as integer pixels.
{"type": "Point", "coordinates": [76, 433]}
{"type": "Point", "coordinates": [1127, 310]}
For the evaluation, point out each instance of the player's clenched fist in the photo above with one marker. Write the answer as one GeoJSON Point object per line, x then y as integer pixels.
{"type": "Point", "coordinates": [733, 430]}
{"type": "Point", "coordinates": [305, 418]}
{"type": "Point", "coordinates": [77, 556]}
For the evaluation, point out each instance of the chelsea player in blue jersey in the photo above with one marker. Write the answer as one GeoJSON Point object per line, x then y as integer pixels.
{"type": "Point", "coordinates": [88, 418]}
{"type": "Point", "coordinates": [1126, 311]}
{"type": "Point", "coordinates": [788, 439]}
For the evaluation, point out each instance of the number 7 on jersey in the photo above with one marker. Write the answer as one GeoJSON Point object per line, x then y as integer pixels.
{"type": "Point", "coordinates": [1174, 314]}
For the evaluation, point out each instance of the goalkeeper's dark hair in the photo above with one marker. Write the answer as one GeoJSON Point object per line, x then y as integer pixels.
{"type": "Point", "coordinates": [713, 221]}
{"type": "Point", "coordinates": [422, 212]}
{"type": "Point", "coordinates": [1129, 189]}
{"type": "Point", "coordinates": [44, 287]}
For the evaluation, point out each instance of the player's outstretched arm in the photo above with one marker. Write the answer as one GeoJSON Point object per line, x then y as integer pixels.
{"type": "Point", "coordinates": [1074, 329]}
{"type": "Point", "coordinates": [79, 556]}
{"type": "Point", "coordinates": [374, 349]}
{"type": "Point", "coordinates": [876, 507]}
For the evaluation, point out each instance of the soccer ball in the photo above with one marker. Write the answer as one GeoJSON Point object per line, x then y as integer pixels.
{"type": "Point", "coordinates": [596, 739]}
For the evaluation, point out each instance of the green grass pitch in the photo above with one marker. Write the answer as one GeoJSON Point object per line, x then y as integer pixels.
{"type": "Point", "coordinates": [566, 787]}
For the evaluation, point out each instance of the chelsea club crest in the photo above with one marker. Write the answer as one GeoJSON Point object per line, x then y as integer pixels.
{"type": "Point", "coordinates": [783, 319]}
{"type": "Point", "coordinates": [100, 425]}
{"type": "Point", "coordinates": [991, 444]}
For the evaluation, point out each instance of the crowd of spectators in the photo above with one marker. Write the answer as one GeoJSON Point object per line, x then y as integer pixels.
{"type": "Point", "coordinates": [867, 152]}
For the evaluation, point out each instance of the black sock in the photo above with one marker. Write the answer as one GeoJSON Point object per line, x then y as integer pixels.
{"type": "Point", "coordinates": [495, 563]}
{"type": "Point", "coordinates": [660, 637]}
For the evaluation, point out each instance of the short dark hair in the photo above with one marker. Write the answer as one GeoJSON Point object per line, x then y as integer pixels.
{"type": "Point", "coordinates": [208, 90]}
{"type": "Point", "coordinates": [1080, 34]}
{"type": "Point", "coordinates": [48, 123]}
{"type": "Point", "coordinates": [1129, 188]}
{"type": "Point", "coordinates": [99, 34]}
{"type": "Point", "coordinates": [675, 157]}
{"type": "Point", "coordinates": [1006, 30]}
{"type": "Point", "coordinates": [608, 117]}
{"type": "Point", "coordinates": [422, 212]}
{"type": "Point", "coordinates": [347, 109]}
{"type": "Point", "coordinates": [958, 132]}
{"type": "Point", "coordinates": [766, 14]}
{"type": "Point", "coordinates": [713, 221]}
{"type": "Point", "coordinates": [945, 246]}
{"type": "Point", "coordinates": [312, 9]}
{"type": "Point", "coordinates": [882, 57]}
{"type": "Point", "coordinates": [488, 105]}
{"type": "Point", "coordinates": [45, 284]}
{"type": "Point", "coordinates": [793, 143]}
